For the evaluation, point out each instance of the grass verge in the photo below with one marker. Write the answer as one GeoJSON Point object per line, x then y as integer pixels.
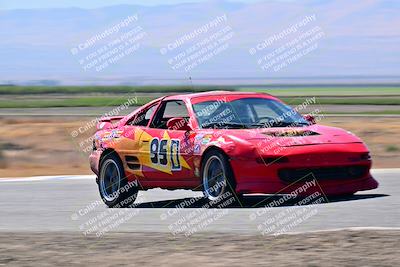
{"type": "Point", "coordinates": [71, 102]}
{"type": "Point", "coordinates": [326, 91]}
{"type": "Point", "coordinates": [141, 100]}
{"type": "Point", "coordinates": [345, 101]}
{"type": "Point", "coordinates": [23, 90]}
{"type": "Point", "coordinates": [279, 91]}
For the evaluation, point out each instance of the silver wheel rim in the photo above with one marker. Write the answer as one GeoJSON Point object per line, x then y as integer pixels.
{"type": "Point", "coordinates": [214, 179]}
{"type": "Point", "coordinates": [110, 181]}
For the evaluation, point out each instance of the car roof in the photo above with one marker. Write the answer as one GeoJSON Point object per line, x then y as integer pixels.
{"type": "Point", "coordinates": [213, 93]}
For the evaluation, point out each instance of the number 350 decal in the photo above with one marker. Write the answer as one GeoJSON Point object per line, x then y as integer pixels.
{"type": "Point", "coordinates": [159, 153]}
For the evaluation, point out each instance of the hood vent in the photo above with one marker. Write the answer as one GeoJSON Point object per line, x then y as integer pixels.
{"type": "Point", "coordinates": [291, 133]}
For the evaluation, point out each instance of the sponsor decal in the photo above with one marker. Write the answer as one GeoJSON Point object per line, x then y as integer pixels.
{"type": "Point", "coordinates": [199, 137]}
{"type": "Point", "coordinates": [111, 135]}
{"type": "Point", "coordinates": [197, 148]}
{"type": "Point", "coordinates": [206, 139]}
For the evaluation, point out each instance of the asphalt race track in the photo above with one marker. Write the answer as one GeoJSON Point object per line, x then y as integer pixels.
{"type": "Point", "coordinates": [72, 203]}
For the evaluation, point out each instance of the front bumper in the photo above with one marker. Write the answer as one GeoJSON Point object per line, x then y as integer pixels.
{"type": "Point", "coordinates": [329, 188]}
{"type": "Point", "coordinates": [329, 162]}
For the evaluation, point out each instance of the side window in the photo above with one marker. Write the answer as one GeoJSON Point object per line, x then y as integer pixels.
{"type": "Point", "coordinates": [143, 118]}
{"type": "Point", "coordinates": [169, 110]}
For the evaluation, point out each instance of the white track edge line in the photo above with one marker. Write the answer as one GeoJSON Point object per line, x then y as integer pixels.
{"type": "Point", "coordinates": [88, 177]}
{"type": "Point", "coordinates": [48, 178]}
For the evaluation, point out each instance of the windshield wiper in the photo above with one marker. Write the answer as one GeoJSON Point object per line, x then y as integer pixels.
{"type": "Point", "coordinates": [301, 123]}
{"type": "Point", "coordinates": [232, 125]}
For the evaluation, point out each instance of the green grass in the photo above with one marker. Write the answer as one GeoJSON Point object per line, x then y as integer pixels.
{"type": "Point", "coordinates": [71, 102]}
{"type": "Point", "coordinates": [2, 159]}
{"type": "Point", "coordinates": [284, 91]}
{"type": "Point", "coordinates": [392, 148]}
{"type": "Point", "coordinates": [292, 96]}
{"type": "Point", "coordinates": [326, 91]}
{"type": "Point", "coordinates": [381, 112]}
{"type": "Point", "coordinates": [141, 100]}
{"type": "Point", "coordinates": [345, 101]}
{"type": "Point", "coordinates": [22, 90]}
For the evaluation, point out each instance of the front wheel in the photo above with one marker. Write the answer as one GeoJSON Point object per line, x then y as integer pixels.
{"type": "Point", "coordinates": [218, 180]}
{"type": "Point", "coordinates": [114, 188]}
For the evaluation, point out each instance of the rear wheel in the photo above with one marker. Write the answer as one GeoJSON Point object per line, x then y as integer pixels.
{"type": "Point", "coordinates": [114, 188]}
{"type": "Point", "coordinates": [218, 179]}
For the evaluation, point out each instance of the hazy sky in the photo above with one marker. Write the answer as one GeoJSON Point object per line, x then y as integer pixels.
{"type": "Point", "coordinates": [354, 38]}
{"type": "Point", "coordinates": [17, 4]}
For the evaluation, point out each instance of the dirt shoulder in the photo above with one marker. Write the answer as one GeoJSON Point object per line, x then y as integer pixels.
{"type": "Point", "coordinates": [336, 248]}
{"type": "Point", "coordinates": [45, 146]}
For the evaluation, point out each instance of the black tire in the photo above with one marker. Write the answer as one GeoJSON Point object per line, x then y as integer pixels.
{"type": "Point", "coordinates": [115, 191]}
{"type": "Point", "coordinates": [223, 190]}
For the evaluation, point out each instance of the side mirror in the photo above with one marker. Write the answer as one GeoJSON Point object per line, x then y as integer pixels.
{"type": "Point", "coordinates": [178, 124]}
{"type": "Point", "coordinates": [103, 125]}
{"type": "Point", "coordinates": [310, 118]}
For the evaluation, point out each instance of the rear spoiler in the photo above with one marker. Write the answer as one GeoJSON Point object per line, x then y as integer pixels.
{"type": "Point", "coordinates": [108, 122]}
{"type": "Point", "coordinates": [111, 119]}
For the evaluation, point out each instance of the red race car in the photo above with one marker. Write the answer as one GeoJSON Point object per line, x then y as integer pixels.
{"type": "Point", "coordinates": [224, 142]}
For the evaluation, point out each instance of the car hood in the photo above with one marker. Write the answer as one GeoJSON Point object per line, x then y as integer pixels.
{"type": "Point", "coordinates": [295, 136]}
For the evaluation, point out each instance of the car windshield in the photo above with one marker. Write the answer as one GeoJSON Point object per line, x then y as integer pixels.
{"type": "Point", "coordinates": [247, 113]}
